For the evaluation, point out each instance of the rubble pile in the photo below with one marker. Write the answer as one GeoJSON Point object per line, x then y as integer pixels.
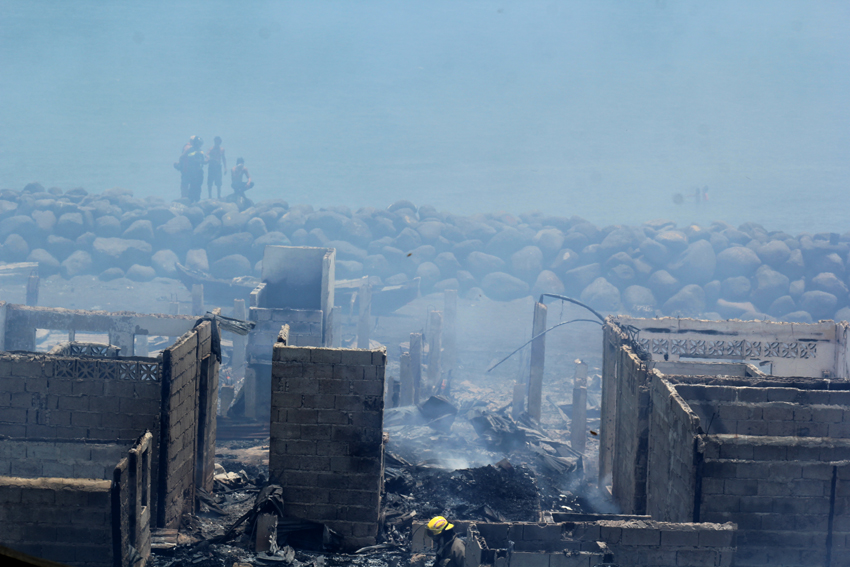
{"type": "Point", "coordinates": [717, 271]}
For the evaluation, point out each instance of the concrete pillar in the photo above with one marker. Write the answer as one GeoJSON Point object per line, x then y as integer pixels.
{"type": "Point", "coordinates": [435, 347]}
{"type": "Point", "coordinates": [416, 365]}
{"type": "Point", "coordinates": [364, 324]}
{"type": "Point", "coordinates": [405, 395]}
{"type": "Point", "coordinates": [578, 425]}
{"type": "Point", "coordinates": [336, 327]}
{"type": "Point", "coordinates": [240, 342]}
{"type": "Point", "coordinates": [250, 386]}
{"type": "Point", "coordinates": [32, 290]}
{"type": "Point", "coordinates": [140, 343]}
{"type": "Point", "coordinates": [449, 358]}
{"type": "Point", "coordinates": [538, 356]}
{"type": "Point", "coordinates": [122, 340]}
{"type": "Point", "coordinates": [72, 335]}
{"type": "Point", "coordinates": [197, 299]}
{"type": "Point", "coordinates": [608, 409]}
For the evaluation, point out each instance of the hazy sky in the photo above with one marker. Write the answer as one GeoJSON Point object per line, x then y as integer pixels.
{"type": "Point", "coordinates": [604, 109]}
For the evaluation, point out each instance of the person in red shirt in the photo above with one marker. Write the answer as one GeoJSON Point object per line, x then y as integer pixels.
{"type": "Point", "coordinates": [217, 160]}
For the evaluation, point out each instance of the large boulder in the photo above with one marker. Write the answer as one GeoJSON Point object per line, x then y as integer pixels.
{"type": "Point", "coordinates": [654, 252]}
{"type": "Point", "coordinates": [549, 241]}
{"type": "Point", "coordinates": [256, 227]}
{"type": "Point", "coordinates": [20, 224]}
{"type": "Point", "coordinates": [830, 283]}
{"type": "Point", "coordinates": [164, 263]}
{"type": "Point", "coordinates": [347, 251]}
{"type": "Point", "coordinates": [601, 295]}
{"type": "Point", "coordinates": [735, 288]}
{"type": "Point", "coordinates": [547, 282]}
{"type": "Point", "coordinates": [448, 264]}
{"type": "Point", "coordinates": [737, 261]}
{"type": "Point", "coordinates": [15, 248]}
{"type": "Point", "coordinates": [819, 304]}
{"type": "Point", "coordinates": [688, 302]}
{"type": "Point", "coordinates": [60, 247]}
{"type": "Point", "coordinates": [480, 264]}
{"type": "Point", "coordinates": [798, 317]}
{"type": "Point", "coordinates": [506, 242]}
{"type": "Point", "coordinates": [407, 239]}
{"type": "Point", "coordinates": [197, 259]}
{"type": "Point", "coordinates": [674, 240]}
{"type": "Point", "coordinates": [47, 263]}
{"type": "Point", "coordinates": [527, 263]}
{"type": "Point", "coordinates": [774, 253]}
{"type": "Point", "coordinates": [78, 263]}
{"type": "Point", "coordinates": [639, 300]}
{"type": "Point", "coordinates": [564, 261]}
{"type": "Point", "coordinates": [120, 253]}
{"type": "Point", "coordinates": [430, 274]}
{"type": "Point", "coordinates": [503, 287]}
{"type": "Point", "coordinates": [349, 269]}
{"type": "Point", "coordinates": [106, 226]}
{"type": "Point", "coordinates": [577, 279]}
{"type": "Point", "coordinates": [230, 244]}
{"type": "Point", "coordinates": [696, 264]}
{"type": "Point", "coordinates": [621, 239]}
{"type": "Point", "coordinates": [46, 220]}
{"type": "Point", "coordinates": [206, 231]}
{"type": "Point", "coordinates": [330, 222]}
{"type": "Point", "coordinates": [794, 267]}
{"type": "Point", "coordinates": [770, 285]}
{"type": "Point", "coordinates": [139, 273]}
{"type": "Point", "coordinates": [176, 234]}
{"type": "Point", "coordinates": [231, 266]}
{"type": "Point", "coordinates": [782, 306]}
{"type": "Point", "coordinates": [273, 238]}
{"type": "Point", "coordinates": [355, 231]}
{"type": "Point", "coordinates": [735, 309]}
{"type": "Point", "coordinates": [140, 230]}
{"type": "Point", "coordinates": [663, 285]}
{"type": "Point", "coordinates": [430, 231]}
{"type": "Point", "coordinates": [377, 265]}
{"type": "Point", "coordinates": [70, 225]}
{"type": "Point", "coordinates": [110, 274]}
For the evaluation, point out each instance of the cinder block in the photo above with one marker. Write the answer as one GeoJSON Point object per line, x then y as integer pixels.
{"type": "Point", "coordinates": [303, 416]}
{"type": "Point", "coordinates": [12, 383]}
{"type": "Point", "coordinates": [340, 387]}
{"type": "Point", "coordinates": [302, 386]}
{"type": "Point", "coordinates": [285, 401]}
{"type": "Point", "coordinates": [349, 403]}
{"type": "Point", "coordinates": [316, 432]}
{"type": "Point", "coordinates": [319, 401]}
{"type": "Point", "coordinates": [740, 487]}
{"type": "Point", "coordinates": [347, 372]}
{"type": "Point", "coordinates": [87, 387]}
{"type": "Point", "coordinates": [751, 427]}
{"type": "Point", "coordinates": [770, 452]}
{"type": "Point", "coordinates": [301, 447]}
{"type": "Point", "coordinates": [696, 558]}
{"type": "Point", "coordinates": [13, 415]}
{"type": "Point", "coordinates": [610, 534]}
{"type": "Point", "coordinates": [285, 431]}
{"type": "Point", "coordinates": [367, 388]}
{"type": "Point", "coordinates": [716, 538]}
{"type": "Point", "coordinates": [326, 356]}
{"type": "Point", "coordinates": [756, 504]}
{"type": "Point", "coordinates": [335, 417]}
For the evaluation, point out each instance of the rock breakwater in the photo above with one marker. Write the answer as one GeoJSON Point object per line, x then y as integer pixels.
{"type": "Point", "coordinates": [716, 271]}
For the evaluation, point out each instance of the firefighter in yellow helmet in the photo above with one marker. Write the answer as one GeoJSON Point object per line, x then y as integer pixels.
{"type": "Point", "coordinates": [450, 550]}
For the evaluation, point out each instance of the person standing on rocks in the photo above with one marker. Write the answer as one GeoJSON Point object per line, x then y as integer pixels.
{"type": "Point", "coordinates": [181, 165]}
{"type": "Point", "coordinates": [217, 160]}
{"type": "Point", "coordinates": [240, 185]}
{"type": "Point", "coordinates": [195, 161]}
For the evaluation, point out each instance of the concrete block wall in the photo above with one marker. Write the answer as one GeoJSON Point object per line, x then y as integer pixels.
{"type": "Point", "coordinates": [305, 329]}
{"type": "Point", "coordinates": [131, 503]}
{"type": "Point", "coordinates": [639, 543]}
{"type": "Point", "coordinates": [182, 373]}
{"type": "Point", "coordinates": [59, 459]}
{"type": "Point", "coordinates": [672, 474]}
{"type": "Point", "coordinates": [64, 520]}
{"type": "Point", "coordinates": [326, 445]}
{"type": "Point", "coordinates": [783, 493]}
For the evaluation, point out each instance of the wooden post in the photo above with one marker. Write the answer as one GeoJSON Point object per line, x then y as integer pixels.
{"type": "Point", "coordinates": [197, 299]}
{"type": "Point", "coordinates": [365, 323]}
{"type": "Point", "coordinates": [240, 342]}
{"type": "Point", "coordinates": [538, 356]}
{"type": "Point", "coordinates": [449, 358]}
{"type": "Point", "coordinates": [32, 290]}
{"type": "Point", "coordinates": [435, 344]}
{"type": "Point", "coordinates": [578, 426]}
{"type": "Point", "coordinates": [416, 365]}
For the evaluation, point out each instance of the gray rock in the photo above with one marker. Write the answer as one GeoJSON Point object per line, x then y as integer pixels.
{"type": "Point", "coordinates": [70, 225]}
{"type": "Point", "coordinates": [447, 263]}
{"type": "Point", "coordinates": [106, 226]}
{"type": "Point", "coordinates": [393, 255]}
{"type": "Point", "coordinates": [503, 287]}
{"type": "Point", "coordinates": [408, 239]}
{"type": "Point", "coordinates": [232, 266]}
{"type": "Point", "coordinates": [317, 237]}
{"type": "Point", "coordinates": [430, 231]}
{"type": "Point", "coordinates": [829, 283]}
{"type": "Point", "coordinates": [794, 267]}
{"type": "Point", "coordinates": [430, 274]}
{"type": "Point", "coordinates": [355, 231]}
{"type": "Point", "coordinates": [290, 222]}
{"type": "Point", "coordinates": [46, 220]}
{"type": "Point", "coordinates": [620, 239]}
{"type": "Point", "coordinates": [617, 259]}
{"type": "Point", "coordinates": [527, 263]}
{"type": "Point", "coordinates": [737, 261]}
{"type": "Point", "coordinates": [688, 302]}
{"type": "Point", "coordinates": [506, 242]}
{"type": "Point", "coordinates": [589, 230]}
{"type": "Point", "coordinates": [831, 263]}
{"type": "Point", "coordinates": [663, 285]}
{"type": "Point", "coordinates": [348, 269]}
{"type": "Point", "coordinates": [119, 252]}
{"type": "Point", "coordinates": [86, 241]}
{"type": "Point", "coordinates": [19, 224]}
{"type": "Point", "coordinates": [110, 274]}
{"type": "Point", "coordinates": [401, 204]}
{"type": "Point", "coordinates": [207, 230]}
{"type": "Point", "coordinates": [466, 280]}
{"type": "Point", "coordinates": [140, 230]}
{"type": "Point", "coordinates": [798, 317]}
{"type": "Point", "coordinates": [782, 306]}
{"type": "Point", "coordinates": [770, 285]}
{"type": "Point", "coordinates": [330, 222]}
{"type": "Point", "coordinates": [474, 230]}
{"type": "Point", "coordinates": [480, 264]}
{"type": "Point", "coordinates": [654, 252]}
{"type": "Point", "coordinates": [256, 227]}
{"type": "Point", "coordinates": [377, 265]}
{"type": "Point", "coordinates": [590, 254]}
{"type": "Point", "coordinates": [577, 279]}
{"type": "Point", "coordinates": [575, 240]}
{"type": "Point", "coordinates": [774, 253]}
{"type": "Point", "coordinates": [735, 289]}
{"type": "Point", "coordinates": [47, 263]}
{"type": "Point", "coordinates": [299, 237]}
{"type": "Point", "coordinates": [842, 314]}
{"type": "Point", "coordinates": [564, 261]}
{"type": "Point", "coordinates": [797, 288]}
{"type": "Point", "coordinates": [819, 304]}
{"type": "Point", "coordinates": [194, 214]}
{"type": "Point", "coordinates": [397, 279]}
{"type": "Point", "coordinates": [639, 301]}
{"type": "Point", "coordinates": [695, 232]}
{"type": "Point", "coordinates": [461, 250]}
{"type": "Point", "coordinates": [77, 264]}
{"type": "Point", "coordinates": [139, 273]}
{"type": "Point", "coordinates": [696, 265]}
{"type": "Point", "coordinates": [718, 242]}
{"type": "Point", "coordinates": [229, 244]}
{"type": "Point", "coordinates": [736, 236]}
{"type": "Point", "coordinates": [60, 247]}
{"type": "Point", "coordinates": [621, 275]}
{"type": "Point", "coordinates": [424, 253]}
{"type": "Point", "coordinates": [674, 240]}
{"type": "Point", "coordinates": [347, 251]}
{"type": "Point", "coordinates": [273, 238]}
{"type": "Point", "coordinates": [197, 260]}
{"type": "Point", "coordinates": [159, 215]}
{"type": "Point", "coordinates": [547, 282]}
{"type": "Point", "coordinates": [550, 241]}
{"type": "Point", "coordinates": [234, 221]}
{"type": "Point", "coordinates": [443, 285]}
{"type": "Point", "coordinates": [176, 234]}
{"type": "Point", "coordinates": [164, 263]}
{"type": "Point", "coordinates": [601, 295]}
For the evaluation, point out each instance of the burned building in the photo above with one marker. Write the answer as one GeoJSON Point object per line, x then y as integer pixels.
{"type": "Point", "coordinates": [693, 430]}
{"type": "Point", "coordinates": [68, 418]}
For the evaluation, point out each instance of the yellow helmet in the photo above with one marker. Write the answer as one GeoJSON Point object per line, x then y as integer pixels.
{"type": "Point", "coordinates": [437, 525]}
